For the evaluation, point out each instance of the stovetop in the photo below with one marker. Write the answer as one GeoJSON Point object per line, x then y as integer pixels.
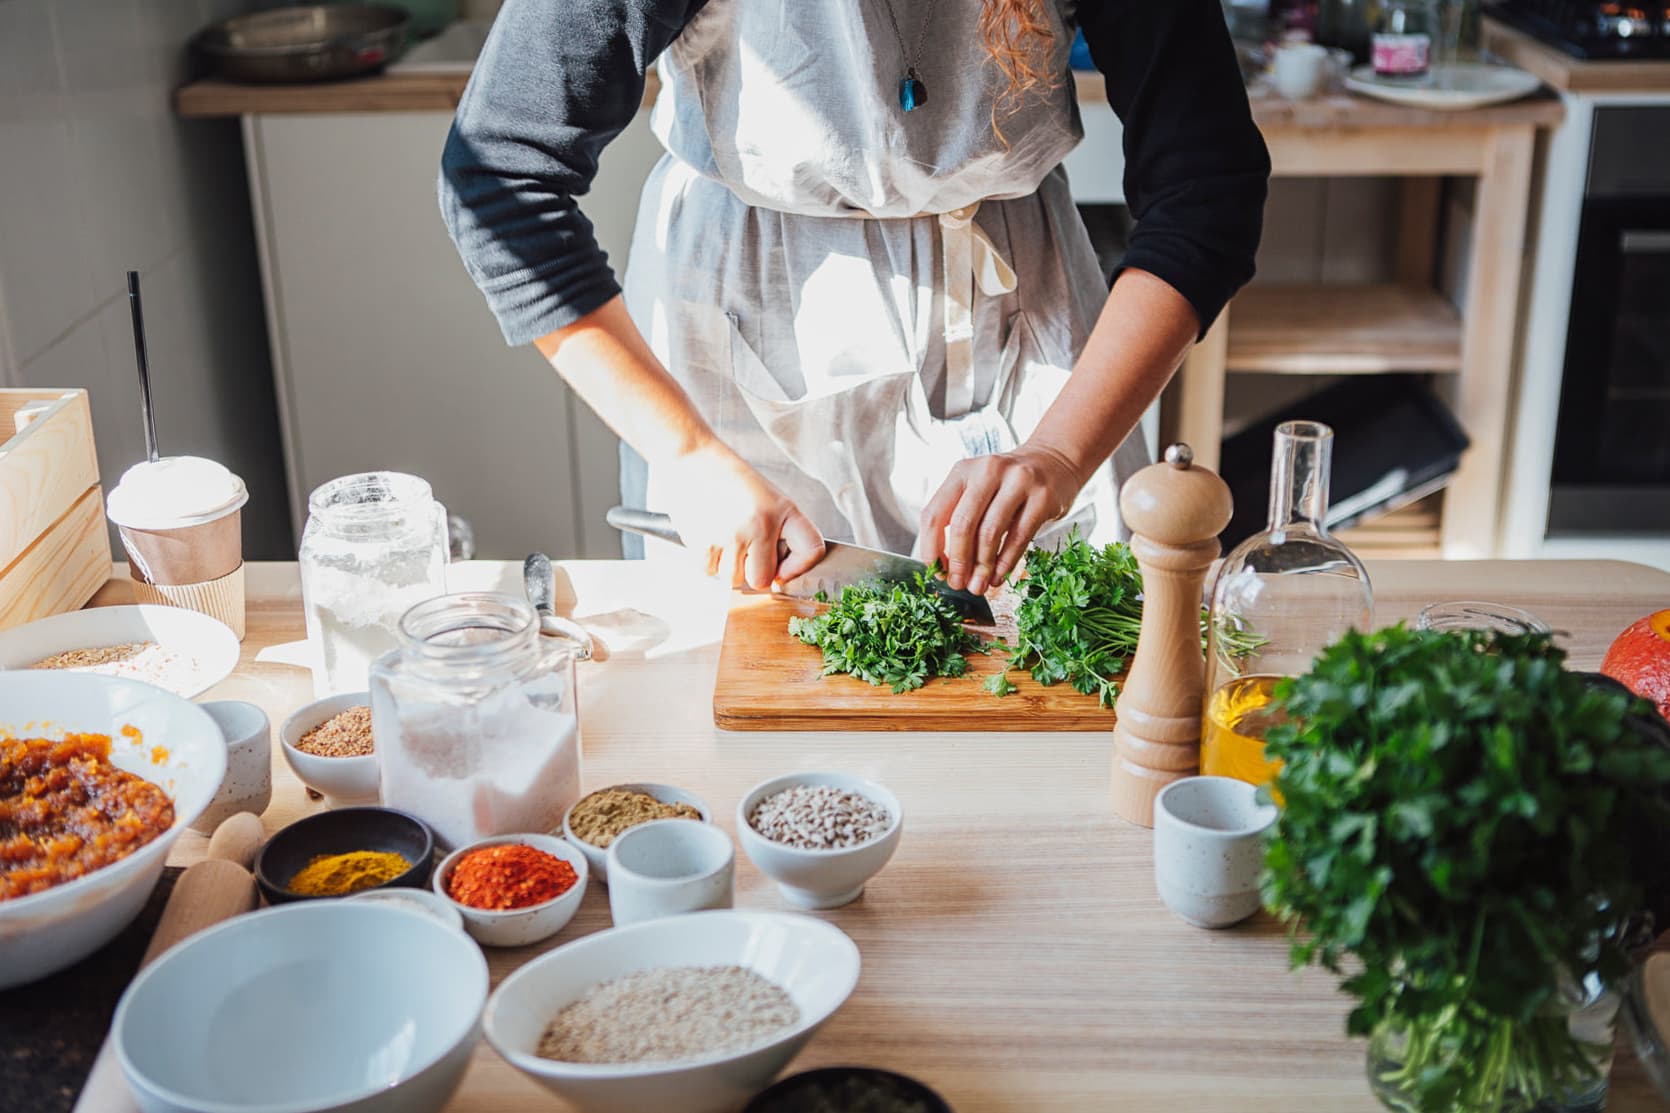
{"type": "Point", "coordinates": [1630, 30]}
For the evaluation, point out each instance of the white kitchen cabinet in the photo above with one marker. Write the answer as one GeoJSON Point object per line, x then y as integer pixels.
{"type": "Point", "coordinates": [386, 355]}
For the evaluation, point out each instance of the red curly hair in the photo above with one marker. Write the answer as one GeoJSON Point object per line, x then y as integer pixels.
{"type": "Point", "coordinates": [1020, 36]}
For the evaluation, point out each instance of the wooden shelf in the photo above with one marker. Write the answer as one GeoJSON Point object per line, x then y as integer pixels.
{"type": "Point", "coordinates": [1342, 330]}
{"type": "Point", "coordinates": [1409, 533]}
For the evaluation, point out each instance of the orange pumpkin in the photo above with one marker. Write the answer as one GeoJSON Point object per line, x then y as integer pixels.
{"type": "Point", "coordinates": [1640, 660]}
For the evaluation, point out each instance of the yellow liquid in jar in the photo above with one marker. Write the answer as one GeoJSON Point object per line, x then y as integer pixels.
{"type": "Point", "coordinates": [1238, 718]}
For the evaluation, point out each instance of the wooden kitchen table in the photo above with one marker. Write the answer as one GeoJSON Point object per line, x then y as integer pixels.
{"type": "Point", "coordinates": [1015, 954]}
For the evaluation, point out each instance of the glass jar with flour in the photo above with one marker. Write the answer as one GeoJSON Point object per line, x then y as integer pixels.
{"type": "Point", "coordinates": [476, 720]}
{"type": "Point", "coordinates": [375, 545]}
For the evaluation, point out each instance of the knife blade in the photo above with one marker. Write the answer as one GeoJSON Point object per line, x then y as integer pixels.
{"type": "Point", "coordinates": [843, 565]}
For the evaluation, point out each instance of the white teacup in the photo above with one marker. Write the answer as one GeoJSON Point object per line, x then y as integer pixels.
{"type": "Point", "coordinates": [667, 867]}
{"type": "Point", "coordinates": [1301, 70]}
{"type": "Point", "coordinates": [248, 784]}
{"type": "Point", "coordinates": [1209, 849]}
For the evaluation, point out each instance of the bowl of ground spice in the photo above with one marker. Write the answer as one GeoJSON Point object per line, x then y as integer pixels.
{"type": "Point", "coordinates": [695, 1013]}
{"type": "Point", "coordinates": [848, 1090]}
{"type": "Point", "coordinates": [346, 851]}
{"type": "Point", "coordinates": [329, 746]}
{"type": "Point", "coordinates": [820, 836]}
{"type": "Point", "coordinates": [595, 821]}
{"type": "Point", "coordinates": [513, 890]}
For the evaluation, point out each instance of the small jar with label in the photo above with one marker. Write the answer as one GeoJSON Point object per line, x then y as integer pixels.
{"type": "Point", "coordinates": [1402, 49]}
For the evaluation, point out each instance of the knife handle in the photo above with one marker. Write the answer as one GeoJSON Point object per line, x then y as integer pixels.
{"type": "Point", "coordinates": [646, 522]}
{"type": "Point", "coordinates": [651, 524]}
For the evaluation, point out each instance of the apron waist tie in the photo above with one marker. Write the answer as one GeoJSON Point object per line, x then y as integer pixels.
{"type": "Point", "coordinates": [971, 260]}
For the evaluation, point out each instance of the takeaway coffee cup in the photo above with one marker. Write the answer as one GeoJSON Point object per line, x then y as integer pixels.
{"type": "Point", "coordinates": [1209, 849]}
{"type": "Point", "coordinates": [181, 523]}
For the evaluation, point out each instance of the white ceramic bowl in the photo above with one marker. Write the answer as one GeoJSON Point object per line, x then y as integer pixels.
{"type": "Point", "coordinates": [209, 644]}
{"type": "Point", "coordinates": [598, 856]}
{"type": "Point", "coordinates": [519, 926]}
{"type": "Point", "coordinates": [178, 747]}
{"type": "Point", "coordinates": [322, 1005]}
{"type": "Point", "coordinates": [420, 902]}
{"type": "Point", "coordinates": [819, 878]}
{"type": "Point", "coordinates": [347, 782]}
{"type": "Point", "coordinates": [668, 867]}
{"type": "Point", "coordinates": [814, 962]}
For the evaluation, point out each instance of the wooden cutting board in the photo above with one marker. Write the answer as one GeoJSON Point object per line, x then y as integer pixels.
{"type": "Point", "coordinates": [769, 680]}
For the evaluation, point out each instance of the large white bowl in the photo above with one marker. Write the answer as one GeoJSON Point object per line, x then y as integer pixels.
{"type": "Point", "coordinates": [178, 747]}
{"type": "Point", "coordinates": [819, 878]}
{"type": "Point", "coordinates": [207, 642]}
{"type": "Point", "coordinates": [813, 961]}
{"type": "Point", "coordinates": [321, 1005]}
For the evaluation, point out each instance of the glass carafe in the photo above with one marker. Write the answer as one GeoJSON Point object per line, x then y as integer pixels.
{"type": "Point", "coordinates": [1278, 599]}
{"type": "Point", "coordinates": [374, 546]}
{"type": "Point", "coordinates": [476, 719]}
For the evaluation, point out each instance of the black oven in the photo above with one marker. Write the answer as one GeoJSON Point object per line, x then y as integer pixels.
{"type": "Point", "coordinates": [1612, 440]}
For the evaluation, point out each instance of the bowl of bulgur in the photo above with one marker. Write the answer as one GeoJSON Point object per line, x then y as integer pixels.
{"type": "Point", "coordinates": [330, 748]}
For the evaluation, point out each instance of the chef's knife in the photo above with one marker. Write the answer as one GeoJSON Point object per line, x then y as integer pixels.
{"type": "Point", "coordinates": [842, 565]}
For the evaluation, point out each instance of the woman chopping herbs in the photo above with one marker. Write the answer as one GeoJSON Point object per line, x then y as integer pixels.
{"type": "Point", "coordinates": [861, 303]}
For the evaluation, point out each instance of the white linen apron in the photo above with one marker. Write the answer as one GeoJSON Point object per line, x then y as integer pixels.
{"type": "Point", "coordinates": [856, 298]}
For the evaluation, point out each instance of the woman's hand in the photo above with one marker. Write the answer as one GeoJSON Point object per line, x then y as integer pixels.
{"type": "Point", "coordinates": [989, 508]}
{"type": "Point", "coordinates": [731, 519]}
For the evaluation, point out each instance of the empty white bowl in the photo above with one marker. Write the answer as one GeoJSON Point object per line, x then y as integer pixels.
{"type": "Point", "coordinates": [598, 856]}
{"type": "Point", "coordinates": [819, 878]}
{"type": "Point", "coordinates": [419, 902]}
{"type": "Point", "coordinates": [668, 867]}
{"type": "Point", "coordinates": [178, 748]}
{"type": "Point", "coordinates": [814, 962]}
{"type": "Point", "coordinates": [335, 1005]}
{"type": "Point", "coordinates": [519, 926]}
{"type": "Point", "coordinates": [346, 782]}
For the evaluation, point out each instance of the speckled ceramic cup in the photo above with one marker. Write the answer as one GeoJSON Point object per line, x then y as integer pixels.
{"type": "Point", "coordinates": [248, 785]}
{"type": "Point", "coordinates": [1209, 849]}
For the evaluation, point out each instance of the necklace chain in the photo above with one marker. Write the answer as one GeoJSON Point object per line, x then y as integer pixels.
{"type": "Point", "coordinates": [921, 34]}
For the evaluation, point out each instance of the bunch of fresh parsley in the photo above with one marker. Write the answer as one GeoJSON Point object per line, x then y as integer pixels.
{"type": "Point", "coordinates": [1470, 825]}
{"type": "Point", "coordinates": [898, 634]}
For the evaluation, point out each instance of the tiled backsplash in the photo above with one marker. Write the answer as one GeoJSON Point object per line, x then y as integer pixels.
{"type": "Point", "coordinates": [97, 176]}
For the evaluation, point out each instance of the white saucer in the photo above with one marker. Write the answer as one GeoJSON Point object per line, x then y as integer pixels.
{"type": "Point", "coordinates": [1457, 86]}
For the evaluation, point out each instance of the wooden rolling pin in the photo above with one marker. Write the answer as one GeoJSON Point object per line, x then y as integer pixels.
{"type": "Point", "coordinates": [215, 889]}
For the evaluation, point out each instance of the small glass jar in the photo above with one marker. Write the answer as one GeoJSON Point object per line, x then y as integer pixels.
{"type": "Point", "coordinates": [1402, 49]}
{"type": "Point", "coordinates": [476, 719]}
{"type": "Point", "coordinates": [375, 544]}
{"type": "Point", "coordinates": [1491, 618]}
{"type": "Point", "coordinates": [1279, 598]}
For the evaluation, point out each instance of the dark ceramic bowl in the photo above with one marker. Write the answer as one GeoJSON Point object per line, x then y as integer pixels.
{"type": "Point", "coordinates": [338, 832]}
{"type": "Point", "coordinates": [847, 1088]}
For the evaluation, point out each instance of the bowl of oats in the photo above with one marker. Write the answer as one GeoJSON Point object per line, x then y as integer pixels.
{"type": "Point", "coordinates": [329, 746]}
{"type": "Point", "coordinates": [179, 651]}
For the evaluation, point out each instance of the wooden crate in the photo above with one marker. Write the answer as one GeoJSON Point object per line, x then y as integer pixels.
{"type": "Point", "coordinates": [54, 549]}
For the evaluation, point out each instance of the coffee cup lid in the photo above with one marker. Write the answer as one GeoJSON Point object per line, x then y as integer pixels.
{"type": "Point", "coordinates": [175, 492]}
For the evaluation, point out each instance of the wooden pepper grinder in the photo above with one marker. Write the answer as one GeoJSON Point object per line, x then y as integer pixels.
{"type": "Point", "coordinates": [1175, 512]}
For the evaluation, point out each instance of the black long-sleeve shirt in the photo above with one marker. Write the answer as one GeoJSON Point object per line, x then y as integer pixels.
{"type": "Point", "coordinates": [558, 81]}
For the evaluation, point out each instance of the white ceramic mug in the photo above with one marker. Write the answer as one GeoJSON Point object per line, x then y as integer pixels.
{"type": "Point", "coordinates": [248, 784]}
{"type": "Point", "coordinates": [1301, 70]}
{"type": "Point", "coordinates": [669, 866]}
{"type": "Point", "coordinates": [1209, 849]}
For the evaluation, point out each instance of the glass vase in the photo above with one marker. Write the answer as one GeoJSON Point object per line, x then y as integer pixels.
{"type": "Point", "coordinates": [1279, 598]}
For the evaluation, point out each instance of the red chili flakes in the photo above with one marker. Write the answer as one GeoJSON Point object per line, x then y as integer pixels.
{"type": "Point", "coordinates": [508, 876]}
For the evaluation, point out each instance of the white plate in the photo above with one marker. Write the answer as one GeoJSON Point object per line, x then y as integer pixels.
{"type": "Point", "coordinates": [1461, 85]}
{"type": "Point", "coordinates": [207, 642]}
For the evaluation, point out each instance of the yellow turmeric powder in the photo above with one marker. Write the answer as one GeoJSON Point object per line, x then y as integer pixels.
{"type": "Point", "coordinates": [337, 875]}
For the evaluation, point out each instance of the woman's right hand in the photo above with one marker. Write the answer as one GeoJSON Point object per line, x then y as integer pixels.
{"type": "Point", "coordinates": [731, 518]}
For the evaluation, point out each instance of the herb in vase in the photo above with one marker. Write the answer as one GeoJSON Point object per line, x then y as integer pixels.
{"type": "Point", "coordinates": [898, 634]}
{"type": "Point", "coordinates": [1461, 829]}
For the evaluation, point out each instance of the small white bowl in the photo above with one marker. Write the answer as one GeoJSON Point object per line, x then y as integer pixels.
{"type": "Point", "coordinates": [346, 782]}
{"type": "Point", "coordinates": [321, 1005]}
{"type": "Point", "coordinates": [819, 878]}
{"type": "Point", "coordinates": [518, 927]}
{"type": "Point", "coordinates": [668, 867]}
{"type": "Point", "coordinates": [420, 902]}
{"type": "Point", "coordinates": [814, 962]}
{"type": "Point", "coordinates": [598, 856]}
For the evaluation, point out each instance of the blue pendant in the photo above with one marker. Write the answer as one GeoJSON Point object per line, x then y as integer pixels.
{"type": "Point", "coordinates": [912, 93]}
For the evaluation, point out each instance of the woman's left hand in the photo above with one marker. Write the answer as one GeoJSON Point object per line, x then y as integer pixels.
{"type": "Point", "coordinates": [979, 524]}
